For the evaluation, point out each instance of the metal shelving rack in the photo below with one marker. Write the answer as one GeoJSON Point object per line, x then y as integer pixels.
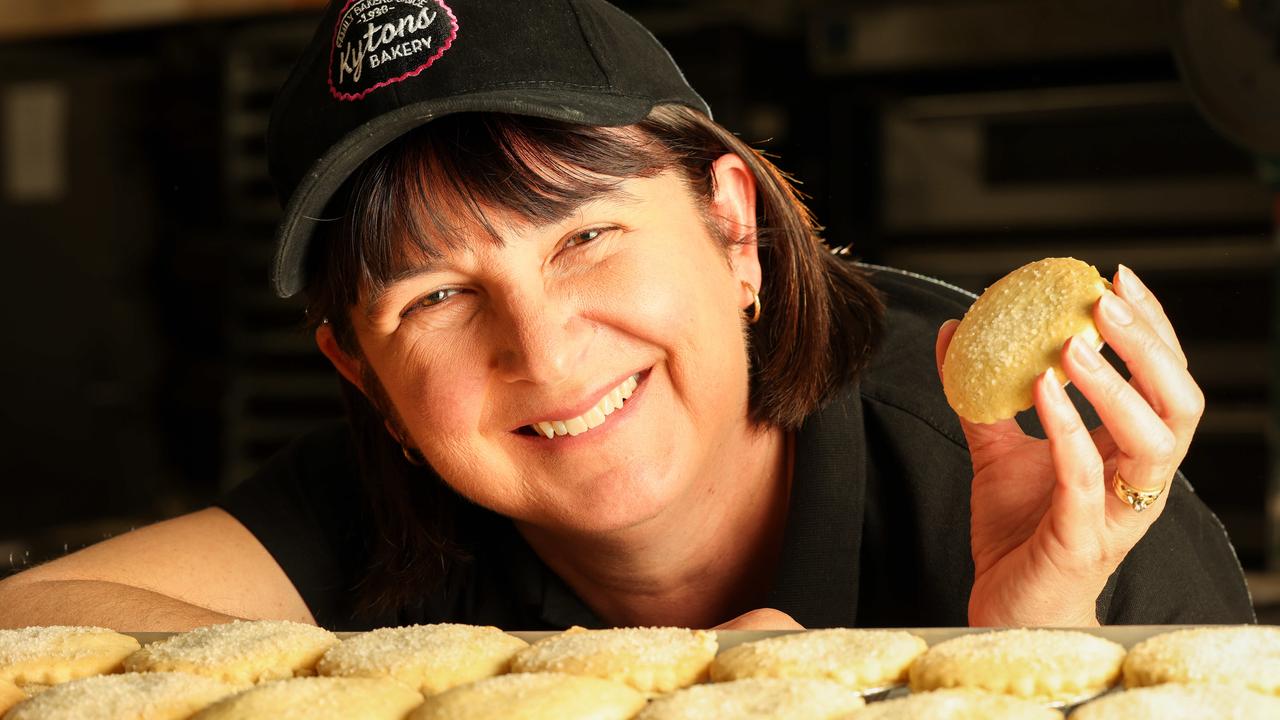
{"type": "Point", "coordinates": [280, 385]}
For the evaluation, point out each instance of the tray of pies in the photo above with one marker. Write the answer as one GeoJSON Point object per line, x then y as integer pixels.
{"type": "Point", "coordinates": [282, 670]}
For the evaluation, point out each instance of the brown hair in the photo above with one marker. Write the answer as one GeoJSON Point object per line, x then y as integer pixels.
{"type": "Point", "coordinates": [821, 316]}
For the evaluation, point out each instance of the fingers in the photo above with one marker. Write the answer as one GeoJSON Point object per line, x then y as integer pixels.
{"type": "Point", "coordinates": [1154, 425]}
{"type": "Point", "coordinates": [1141, 435]}
{"type": "Point", "coordinates": [1158, 370]}
{"type": "Point", "coordinates": [1084, 505]}
{"type": "Point", "coordinates": [761, 619]}
{"type": "Point", "coordinates": [1078, 495]}
{"type": "Point", "coordinates": [1152, 429]}
{"type": "Point", "coordinates": [1128, 286]}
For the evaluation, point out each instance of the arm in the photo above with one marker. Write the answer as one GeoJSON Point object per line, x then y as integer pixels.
{"type": "Point", "coordinates": [193, 570]}
{"type": "Point", "coordinates": [100, 603]}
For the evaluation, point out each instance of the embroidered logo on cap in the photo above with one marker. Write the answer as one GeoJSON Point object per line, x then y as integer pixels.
{"type": "Point", "coordinates": [380, 42]}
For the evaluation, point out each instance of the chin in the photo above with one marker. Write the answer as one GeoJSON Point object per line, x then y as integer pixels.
{"type": "Point", "coordinates": [619, 501]}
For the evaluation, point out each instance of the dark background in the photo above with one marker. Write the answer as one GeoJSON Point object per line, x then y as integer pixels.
{"type": "Point", "coordinates": [147, 366]}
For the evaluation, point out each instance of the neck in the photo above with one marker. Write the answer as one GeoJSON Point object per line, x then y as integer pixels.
{"type": "Point", "coordinates": [709, 557]}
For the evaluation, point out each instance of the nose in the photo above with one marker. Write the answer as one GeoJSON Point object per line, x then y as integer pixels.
{"type": "Point", "coordinates": [539, 338]}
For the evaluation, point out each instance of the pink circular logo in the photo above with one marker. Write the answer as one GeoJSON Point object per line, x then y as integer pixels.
{"type": "Point", "coordinates": [380, 42]}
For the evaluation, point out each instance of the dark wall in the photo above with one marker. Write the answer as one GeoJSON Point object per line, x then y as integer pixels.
{"type": "Point", "coordinates": [112, 304]}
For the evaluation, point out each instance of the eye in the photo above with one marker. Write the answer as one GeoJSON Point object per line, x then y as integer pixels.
{"type": "Point", "coordinates": [582, 237]}
{"type": "Point", "coordinates": [431, 299]}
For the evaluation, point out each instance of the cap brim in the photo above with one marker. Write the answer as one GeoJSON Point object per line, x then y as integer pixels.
{"type": "Point", "coordinates": [307, 204]}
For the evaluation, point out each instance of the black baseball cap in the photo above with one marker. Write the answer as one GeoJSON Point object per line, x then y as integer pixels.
{"type": "Point", "coordinates": [376, 69]}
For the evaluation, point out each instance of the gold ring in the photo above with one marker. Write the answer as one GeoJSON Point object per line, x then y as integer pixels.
{"type": "Point", "coordinates": [1137, 499]}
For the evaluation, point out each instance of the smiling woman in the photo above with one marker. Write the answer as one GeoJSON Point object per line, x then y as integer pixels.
{"type": "Point", "coordinates": [601, 370]}
{"type": "Point", "coordinates": [632, 245]}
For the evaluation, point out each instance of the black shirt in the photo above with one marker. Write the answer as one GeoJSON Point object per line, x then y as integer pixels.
{"type": "Point", "coordinates": [877, 530]}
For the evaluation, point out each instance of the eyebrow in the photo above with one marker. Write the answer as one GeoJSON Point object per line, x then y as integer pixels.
{"type": "Point", "coordinates": [379, 294]}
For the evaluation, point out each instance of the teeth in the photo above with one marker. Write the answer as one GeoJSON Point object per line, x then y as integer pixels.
{"type": "Point", "coordinates": [576, 426]}
{"type": "Point", "coordinates": [593, 418]}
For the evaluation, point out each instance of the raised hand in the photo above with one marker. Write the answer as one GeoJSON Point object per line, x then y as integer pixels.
{"type": "Point", "coordinates": [1047, 526]}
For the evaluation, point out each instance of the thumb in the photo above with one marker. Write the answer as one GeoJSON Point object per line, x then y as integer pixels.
{"type": "Point", "coordinates": [978, 435]}
{"type": "Point", "coordinates": [945, 333]}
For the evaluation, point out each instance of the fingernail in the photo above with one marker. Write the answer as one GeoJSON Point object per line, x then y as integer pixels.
{"type": "Point", "coordinates": [1133, 287]}
{"type": "Point", "coordinates": [1085, 355]}
{"type": "Point", "coordinates": [1116, 309]}
{"type": "Point", "coordinates": [1057, 393]}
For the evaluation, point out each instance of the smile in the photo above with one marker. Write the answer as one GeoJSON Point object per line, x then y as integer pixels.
{"type": "Point", "coordinates": [593, 418]}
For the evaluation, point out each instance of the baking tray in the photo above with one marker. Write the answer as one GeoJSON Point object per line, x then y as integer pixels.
{"type": "Point", "coordinates": [1126, 635]}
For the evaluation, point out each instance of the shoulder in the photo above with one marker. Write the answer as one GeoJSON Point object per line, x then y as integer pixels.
{"type": "Point", "coordinates": [306, 506]}
{"type": "Point", "coordinates": [915, 307]}
{"type": "Point", "coordinates": [317, 470]}
{"type": "Point", "coordinates": [902, 377]}
{"type": "Point", "coordinates": [327, 449]}
{"type": "Point", "coordinates": [911, 291]}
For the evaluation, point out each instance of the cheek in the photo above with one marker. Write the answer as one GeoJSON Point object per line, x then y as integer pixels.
{"type": "Point", "coordinates": [678, 286]}
{"type": "Point", "coordinates": [684, 303]}
{"type": "Point", "coordinates": [436, 394]}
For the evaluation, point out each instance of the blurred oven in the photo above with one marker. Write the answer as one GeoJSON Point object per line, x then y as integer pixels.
{"type": "Point", "coordinates": [1078, 157]}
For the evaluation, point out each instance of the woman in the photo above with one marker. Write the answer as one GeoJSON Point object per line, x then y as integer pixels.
{"type": "Point", "coordinates": [600, 370]}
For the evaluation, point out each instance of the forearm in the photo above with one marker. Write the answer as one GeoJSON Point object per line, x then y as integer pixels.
{"type": "Point", "coordinates": [95, 602]}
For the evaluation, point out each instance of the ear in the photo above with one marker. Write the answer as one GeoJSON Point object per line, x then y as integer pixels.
{"type": "Point", "coordinates": [346, 365]}
{"type": "Point", "coordinates": [734, 207]}
{"type": "Point", "coordinates": [349, 368]}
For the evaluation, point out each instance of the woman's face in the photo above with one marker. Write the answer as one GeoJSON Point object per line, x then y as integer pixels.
{"type": "Point", "coordinates": [549, 329]}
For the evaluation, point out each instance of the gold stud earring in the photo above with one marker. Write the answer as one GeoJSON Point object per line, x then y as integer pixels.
{"type": "Point", "coordinates": [413, 457]}
{"type": "Point", "coordinates": [755, 303]}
